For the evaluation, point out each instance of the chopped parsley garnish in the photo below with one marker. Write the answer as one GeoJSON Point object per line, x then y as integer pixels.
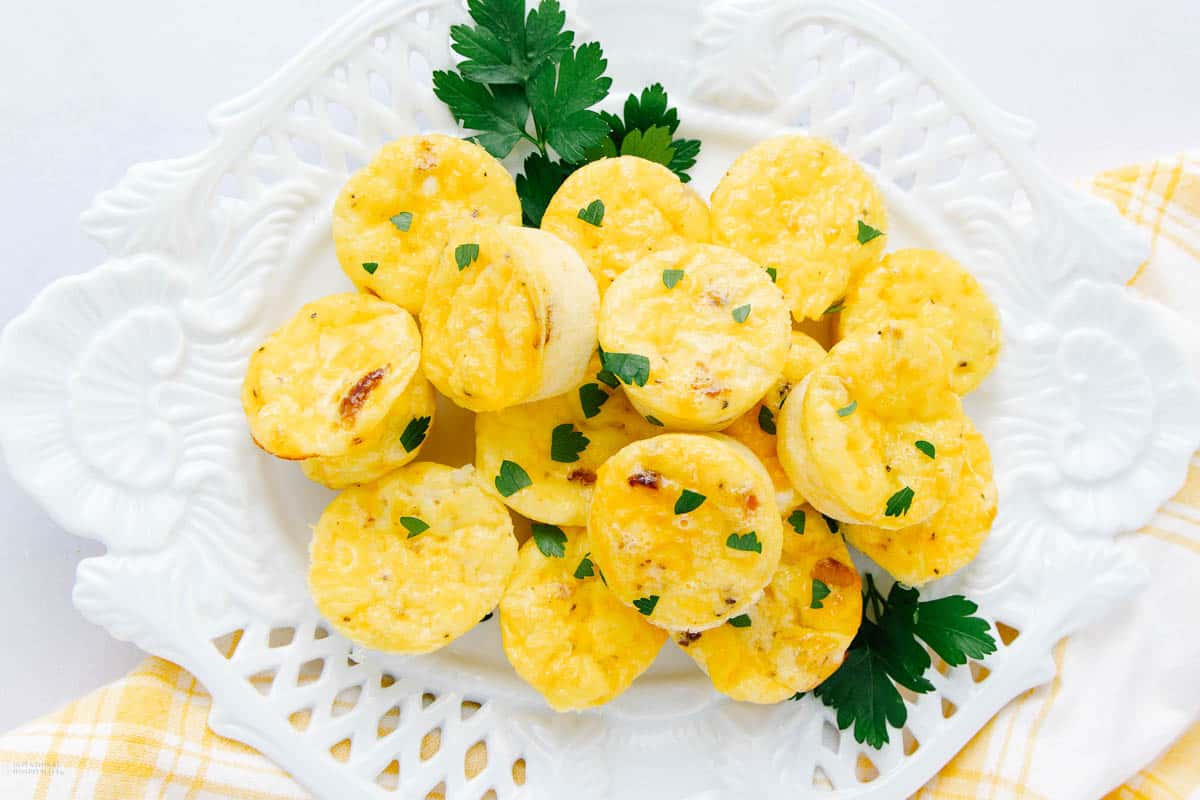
{"type": "Point", "coordinates": [550, 539]}
{"type": "Point", "coordinates": [370, 266]}
{"type": "Point", "coordinates": [840, 305]}
{"type": "Point", "coordinates": [773, 274]}
{"type": "Point", "coordinates": [646, 604]}
{"type": "Point", "coordinates": [689, 501]}
{"type": "Point", "coordinates": [766, 420]}
{"type": "Point", "coordinates": [414, 433]}
{"type": "Point", "coordinates": [593, 214]}
{"type": "Point", "coordinates": [566, 443]}
{"type": "Point", "coordinates": [740, 621]}
{"type": "Point", "coordinates": [591, 397]}
{"type": "Point", "coordinates": [670, 277]}
{"type": "Point", "coordinates": [511, 479]}
{"type": "Point", "coordinates": [403, 221]}
{"type": "Point", "coordinates": [606, 376]}
{"type": "Point", "coordinates": [653, 420]}
{"type": "Point", "coordinates": [465, 255]}
{"type": "Point", "coordinates": [899, 503]}
{"type": "Point", "coordinates": [741, 313]}
{"type": "Point", "coordinates": [627, 367]}
{"type": "Point", "coordinates": [847, 410]}
{"type": "Point", "coordinates": [926, 447]}
{"type": "Point", "coordinates": [414, 525]}
{"type": "Point", "coordinates": [585, 568]}
{"type": "Point", "coordinates": [866, 233]}
{"type": "Point", "coordinates": [832, 523]}
{"type": "Point", "coordinates": [797, 519]}
{"type": "Point", "coordinates": [887, 651]}
{"type": "Point", "coordinates": [747, 542]}
{"type": "Point", "coordinates": [819, 592]}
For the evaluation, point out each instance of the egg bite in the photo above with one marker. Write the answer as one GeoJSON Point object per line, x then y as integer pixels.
{"type": "Point", "coordinates": [413, 561]}
{"type": "Point", "coordinates": [646, 209]}
{"type": "Point", "coordinates": [566, 634]}
{"type": "Point", "coordinates": [685, 529]}
{"type": "Point", "coordinates": [757, 428]}
{"type": "Point", "coordinates": [848, 434]}
{"type": "Point", "coordinates": [936, 292]}
{"type": "Point", "coordinates": [948, 540]}
{"type": "Point", "coordinates": [511, 318]}
{"type": "Point", "coordinates": [329, 376]}
{"type": "Point", "coordinates": [797, 634]}
{"type": "Point", "coordinates": [697, 334]}
{"type": "Point", "coordinates": [394, 216]}
{"type": "Point", "coordinates": [559, 443]}
{"type": "Point", "coordinates": [802, 207]}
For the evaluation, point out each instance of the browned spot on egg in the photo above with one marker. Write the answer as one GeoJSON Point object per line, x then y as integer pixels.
{"type": "Point", "coordinates": [584, 476]}
{"type": "Point", "coordinates": [645, 477]}
{"type": "Point", "coordinates": [686, 638]}
{"type": "Point", "coordinates": [354, 400]}
{"type": "Point", "coordinates": [832, 572]}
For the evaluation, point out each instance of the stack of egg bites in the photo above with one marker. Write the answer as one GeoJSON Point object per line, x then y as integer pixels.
{"type": "Point", "coordinates": [652, 391]}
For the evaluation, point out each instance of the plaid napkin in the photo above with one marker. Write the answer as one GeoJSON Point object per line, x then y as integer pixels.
{"type": "Point", "coordinates": [1123, 706]}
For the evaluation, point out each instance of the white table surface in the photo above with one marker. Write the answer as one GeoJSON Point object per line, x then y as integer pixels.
{"type": "Point", "coordinates": [88, 89]}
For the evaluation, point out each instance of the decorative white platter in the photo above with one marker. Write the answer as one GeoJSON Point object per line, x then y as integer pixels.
{"type": "Point", "coordinates": [119, 408]}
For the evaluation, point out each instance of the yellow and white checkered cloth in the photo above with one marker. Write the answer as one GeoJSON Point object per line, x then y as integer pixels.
{"type": "Point", "coordinates": [1106, 715]}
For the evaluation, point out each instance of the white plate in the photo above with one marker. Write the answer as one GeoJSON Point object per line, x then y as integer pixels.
{"type": "Point", "coordinates": [120, 412]}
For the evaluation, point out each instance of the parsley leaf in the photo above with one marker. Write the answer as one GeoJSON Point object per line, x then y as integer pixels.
{"type": "Point", "coordinates": [507, 46]}
{"type": "Point", "coordinates": [414, 433]}
{"type": "Point", "coordinates": [550, 539]}
{"type": "Point", "coordinates": [591, 397]}
{"type": "Point", "coordinates": [864, 696]}
{"type": "Point", "coordinates": [646, 130]}
{"type": "Point", "coordinates": [866, 233]}
{"type": "Point", "coordinates": [831, 522]}
{"type": "Point", "coordinates": [370, 266]}
{"type": "Point", "coordinates": [926, 447]}
{"type": "Point", "coordinates": [465, 255]}
{"type": "Point", "coordinates": [766, 420]}
{"type": "Point", "coordinates": [414, 525]}
{"type": "Point", "coordinates": [560, 95]}
{"type": "Point", "coordinates": [653, 144]}
{"type": "Point", "coordinates": [689, 501]}
{"type": "Point", "coordinates": [741, 313]}
{"type": "Point", "coordinates": [740, 621]}
{"type": "Point", "coordinates": [948, 627]}
{"type": "Point", "coordinates": [498, 112]}
{"type": "Point", "coordinates": [847, 410]}
{"type": "Point", "coordinates": [746, 542]}
{"type": "Point", "coordinates": [541, 179]}
{"type": "Point", "coordinates": [819, 592]}
{"type": "Point", "coordinates": [402, 221]}
{"type": "Point", "coordinates": [899, 503]}
{"type": "Point", "coordinates": [511, 479]}
{"type": "Point", "coordinates": [593, 214]}
{"type": "Point", "coordinates": [585, 568]}
{"type": "Point", "coordinates": [628, 367]}
{"type": "Point", "coordinates": [646, 604]}
{"type": "Point", "coordinates": [655, 421]}
{"type": "Point", "coordinates": [566, 443]}
{"type": "Point", "coordinates": [797, 520]}
{"type": "Point", "coordinates": [773, 274]}
{"type": "Point", "coordinates": [670, 277]}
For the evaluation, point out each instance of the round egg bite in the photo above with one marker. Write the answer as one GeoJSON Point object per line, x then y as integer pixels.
{"type": "Point", "coordinates": [797, 634]}
{"type": "Point", "coordinates": [394, 443]}
{"type": "Point", "coordinates": [697, 334]}
{"type": "Point", "coordinates": [685, 529]}
{"type": "Point", "coordinates": [329, 376]}
{"type": "Point", "coordinates": [566, 634]}
{"type": "Point", "coordinates": [394, 216]}
{"type": "Point", "coordinates": [847, 435]}
{"type": "Point", "coordinates": [936, 292]}
{"type": "Point", "coordinates": [757, 428]}
{"type": "Point", "coordinates": [948, 540]}
{"type": "Point", "coordinates": [646, 209]}
{"type": "Point", "coordinates": [511, 317]}
{"type": "Point", "coordinates": [560, 443]}
{"type": "Point", "coordinates": [802, 207]}
{"type": "Point", "coordinates": [413, 561]}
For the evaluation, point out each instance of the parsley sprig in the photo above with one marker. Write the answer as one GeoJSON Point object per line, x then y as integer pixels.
{"type": "Point", "coordinates": [523, 79]}
{"type": "Point", "coordinates": [887, 652]}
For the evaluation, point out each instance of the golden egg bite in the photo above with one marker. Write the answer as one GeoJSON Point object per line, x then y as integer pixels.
{"type": "Point", "coordinates": [511, 317]}
{"type": "Point", "coordinates": [395, 442]}
{"type": "Point", "coordinates": [797, 634]}
{"type": "Point", "coordinates": [948, 540]}
{"type": "Point", "coordinates": [393, 217]}
{"type": "Point", "coordinates": [646, 209]}
{"type": "Point", "coordinates": [697, 334]}
{"type": "Point", "coordinates": [329, 376]}
{"type": "Point", "coordinates": [849, 434]}
{"type": "Point", "coordinates": [757, 428]}
{"type": "Point", "coordinates": [565, 633]}
{"type": "Point", "coordinates": [936, 292]}
{"type": "Point", "coordinates": [560, 444]}
{"type": "Point", "coordinates": [802, 207]}
{"type": "Point", "coordinates": [413, 561]}
{"type": "Point", "coordinates": [685, 529]}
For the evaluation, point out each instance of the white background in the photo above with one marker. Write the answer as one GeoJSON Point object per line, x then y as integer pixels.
{"type": "Point", "coordinates": [87, 89]}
